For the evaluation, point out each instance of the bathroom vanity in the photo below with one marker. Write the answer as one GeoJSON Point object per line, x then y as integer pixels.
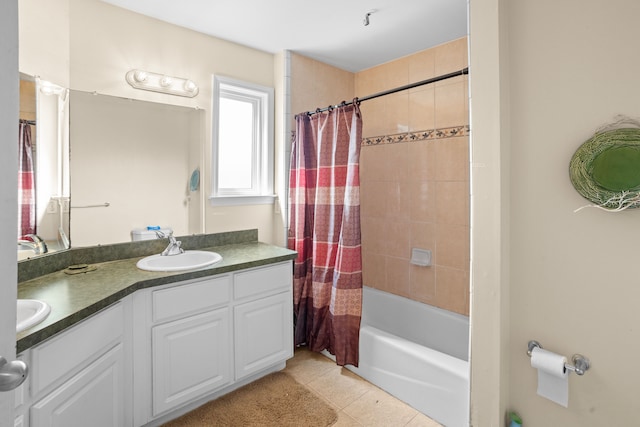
{"type": "Point", "coordinates": [162, 344]}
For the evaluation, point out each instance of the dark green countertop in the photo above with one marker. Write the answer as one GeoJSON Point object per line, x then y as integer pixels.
{"type": "Point", "coordinates": [75, 297]}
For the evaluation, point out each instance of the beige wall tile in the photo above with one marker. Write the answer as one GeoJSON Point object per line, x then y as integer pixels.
{"type": "Point", "coordinates": [394, 163]}
{"type": "Point", "coordinates": [452, 244]}
{"type": "Point", "coordinates": [374, 270]}
{"type": "Point", "coordinates": [373, 199]}
{"type": "Point", "coordinates": [396, 73]}
{"type": "Point", "coordinates": [422, 109]}
{"type": "Point", "coordinates": [398, 238]}
{"type": "Point", "coordinates": [422, 201]}
{"type": "Point", "coordinates": [451, 56]}
{"type": "Point", "coordinates": [365, 165]}
{"type": "Point", "coordinates": [398, 276]}
{"type": "Point", "coordinates": [373, 241]}
{"type": "Point", "coordinates": [332, 85]}
{"type": "Point", "coordinates": [422, 66]}
{"type": "Point", "coordinates": [317, 85]}
{"type": "Point", "coordinates": [397, 113]}
{"type": "Point", "coordinates": [423, 236]}
{"type": "Point", "coordinates": [452, 289]}
{"type": "Point", "coordinates": [373, 117]}
{"type": "Point", "coordinates": [422, 160]}
{"type": "Point", "coordinates": [452, 156]}
{"type": "Point", "coordinates": [416, 194]}
{"type": "Point", "coordinates": [450, 105]}
{"type": "Point", "coordinates": [371, 162]}
{"type": "Point", "coordinates": [452, 203]}
{"type": "Point", "coordinates": [397, 199]}
{"type": "Point", "coordinates": [370, 81]}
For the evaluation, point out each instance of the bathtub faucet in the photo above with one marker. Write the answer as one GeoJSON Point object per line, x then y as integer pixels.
{"type": "Point", "coordinates": [174, 245]}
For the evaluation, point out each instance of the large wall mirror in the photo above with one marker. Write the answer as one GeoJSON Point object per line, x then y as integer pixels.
{"type": "Point", "coordinates": [104, 166]}
{"type": "Point", "coordinates": [43, 171]}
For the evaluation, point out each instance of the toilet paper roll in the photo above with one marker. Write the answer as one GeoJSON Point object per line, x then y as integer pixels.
{"type": "Point", "coordinates": [553, 378]}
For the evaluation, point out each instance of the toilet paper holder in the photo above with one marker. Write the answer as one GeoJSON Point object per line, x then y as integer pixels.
{"type": "Point", "coordinates": [580, 363]}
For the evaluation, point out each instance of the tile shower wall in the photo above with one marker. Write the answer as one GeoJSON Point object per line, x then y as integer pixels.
{"type": "Point", "coordinates": [315, 84]}
{"type": "Point", "coordinates": [414, 176]}
{"type": "Point", "coordinates": [414, 169]}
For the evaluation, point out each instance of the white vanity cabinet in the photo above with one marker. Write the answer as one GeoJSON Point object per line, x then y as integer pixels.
{"type": "Point", "coordinates": [78, 377]}
{"type": "Point", "coordinates": [263, 318]}
{"type": "Point", "coordinates": [190, 341]}
{"type": "Point", "coordinates": [199, 339]}
{"type": "Point", "coordinates": [161, 351]}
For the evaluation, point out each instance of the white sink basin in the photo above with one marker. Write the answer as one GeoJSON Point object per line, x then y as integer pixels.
{"type": "Point", "coordinates": [189, 260]}
{"type": "Point", "coordinates": [30, 313]}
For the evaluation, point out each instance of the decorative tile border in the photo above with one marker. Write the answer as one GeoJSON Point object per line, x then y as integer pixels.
{"type": "Point", "coordinates": [417, 136]}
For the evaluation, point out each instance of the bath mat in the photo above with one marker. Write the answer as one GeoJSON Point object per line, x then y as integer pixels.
{"type": "Point", "coordinates": [274, 400]}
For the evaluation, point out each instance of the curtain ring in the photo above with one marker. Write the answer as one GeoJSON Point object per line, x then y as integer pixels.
{"type": "Point", "coordinates": [356, 101]}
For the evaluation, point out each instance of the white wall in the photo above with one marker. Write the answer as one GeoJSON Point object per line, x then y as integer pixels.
{"type": "Point", "coordinates": [44, 39]}
{"type": "Point", "coordinates": [571, 280]}
{"type": "Point", "coordinates": [489, 309]}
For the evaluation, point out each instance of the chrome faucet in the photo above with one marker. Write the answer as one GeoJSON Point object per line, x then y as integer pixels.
{"type": "Point", "coordinates": [174, 245]}
{"type": "Point", "coordinates": [35, 243]}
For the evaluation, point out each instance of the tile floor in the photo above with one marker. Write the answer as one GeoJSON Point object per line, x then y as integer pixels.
{"type": "Point", "coordinates": [358, 402]}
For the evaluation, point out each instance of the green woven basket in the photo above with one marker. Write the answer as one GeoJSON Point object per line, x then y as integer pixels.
{"type": "Point", "coordinates": [606, 169]}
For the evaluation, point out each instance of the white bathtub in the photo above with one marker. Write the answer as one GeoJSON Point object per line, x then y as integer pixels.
{"type": "Point", "coordinates": [418, 353]}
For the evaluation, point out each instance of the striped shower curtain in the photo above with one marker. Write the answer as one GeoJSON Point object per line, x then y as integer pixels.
{"type": "Point", "coordinates": [324, 228]}
{"type": "Point", "coordinates": [26, 182]}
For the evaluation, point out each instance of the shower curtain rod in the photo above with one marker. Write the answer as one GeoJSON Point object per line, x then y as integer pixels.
{"type": "Point", "coordinates": [398, 89]}
{"type": "Point", "coordinates": [29, 122]}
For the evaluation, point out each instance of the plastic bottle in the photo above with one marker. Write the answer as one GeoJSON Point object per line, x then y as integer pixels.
{"type": "Point", "coordinates": [515, 419]}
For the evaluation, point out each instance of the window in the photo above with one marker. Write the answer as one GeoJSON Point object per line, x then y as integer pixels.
{"type": "Point", "coordinates": [242, 171]}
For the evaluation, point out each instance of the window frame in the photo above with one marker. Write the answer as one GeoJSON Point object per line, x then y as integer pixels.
{"type": "Point", "coordinates": [262, 98]}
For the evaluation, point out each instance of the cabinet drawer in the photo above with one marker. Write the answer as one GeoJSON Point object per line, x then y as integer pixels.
{"type": "Point", "coordinates": [71, 350]}
{"type": "Point", "coordinates": [264, 280]}
{"type": "Point", "coordinates": [190, 298]}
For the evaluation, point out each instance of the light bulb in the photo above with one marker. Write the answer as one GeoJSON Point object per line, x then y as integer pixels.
{"type": "Point", "coordinates": [166, 81]}
{"type": "Point", "coordinates": [140, 76]}
{"type": "Point", "coordinates": [189, 86]}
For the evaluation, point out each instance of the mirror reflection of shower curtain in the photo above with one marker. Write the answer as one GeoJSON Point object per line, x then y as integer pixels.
{"type": "Point", "coordinates": [26, 182]}
{"type": "Point", "coordinates": [324, 210]}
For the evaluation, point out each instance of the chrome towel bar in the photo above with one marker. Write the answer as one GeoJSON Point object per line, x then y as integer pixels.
{"type": "Point", "coordinates": [103, 205]}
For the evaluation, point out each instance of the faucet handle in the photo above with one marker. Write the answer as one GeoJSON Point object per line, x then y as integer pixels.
{"type": "Point", "coordinates": [162, 235]}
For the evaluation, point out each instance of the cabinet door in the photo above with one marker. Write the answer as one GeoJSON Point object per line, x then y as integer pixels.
{"type": "Point", "coordinates": [191, 357]}
{"type": "Point", "coordinates": [92, 397]}
{"type": "Point", "coordinates": [263, 333]}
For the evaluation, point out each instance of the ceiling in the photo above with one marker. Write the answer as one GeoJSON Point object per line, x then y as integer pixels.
{"type": "Point", "coordinates": [331, 31]}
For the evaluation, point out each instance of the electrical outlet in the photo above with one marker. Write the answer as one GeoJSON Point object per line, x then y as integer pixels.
{"type": "Point", "coordinates": [52, 207]}
{"type": "Point", "coordinates": [65, 205]}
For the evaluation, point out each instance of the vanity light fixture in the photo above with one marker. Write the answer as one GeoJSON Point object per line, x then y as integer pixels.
{"type": "Point", "coordinates": [162, 83]}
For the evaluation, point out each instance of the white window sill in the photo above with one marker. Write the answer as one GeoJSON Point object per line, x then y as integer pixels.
{"type": "Point", "coordinates": [241, 200]}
